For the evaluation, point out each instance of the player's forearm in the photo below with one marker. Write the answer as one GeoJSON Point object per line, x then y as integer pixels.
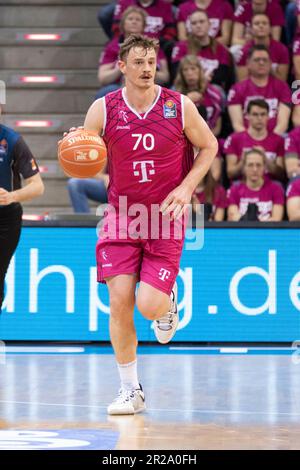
{"type": "Point", "coordinates": [29, 192]}
{"type": "Point", "coordinates": [202, 164]}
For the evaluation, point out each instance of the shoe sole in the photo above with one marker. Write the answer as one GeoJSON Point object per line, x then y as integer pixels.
{"type": "Point", "coordinates": [139, 410]}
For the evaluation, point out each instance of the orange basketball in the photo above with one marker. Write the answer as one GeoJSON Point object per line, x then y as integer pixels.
{"type": "Point", "coordinates": [82, 154]}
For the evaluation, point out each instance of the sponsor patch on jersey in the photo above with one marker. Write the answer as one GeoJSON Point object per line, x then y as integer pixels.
{"type": "Point", "coordinates": [170, 110]}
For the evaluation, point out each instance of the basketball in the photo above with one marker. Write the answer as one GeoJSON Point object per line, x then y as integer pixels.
{"type": "Point", "coordinates": [82, 154]}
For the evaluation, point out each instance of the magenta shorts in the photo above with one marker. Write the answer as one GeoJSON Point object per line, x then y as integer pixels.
{"type": "Point", "coordinates": [155, 262]}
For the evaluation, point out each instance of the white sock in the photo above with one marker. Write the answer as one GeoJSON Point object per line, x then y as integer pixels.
{"type": "Point", "coordinates": [128, 375]}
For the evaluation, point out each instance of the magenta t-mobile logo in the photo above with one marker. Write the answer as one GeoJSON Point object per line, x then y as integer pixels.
{"type": "Point", "coordinates": [143, 170]}
{"type": "Point", "coordinates": [164, 274]}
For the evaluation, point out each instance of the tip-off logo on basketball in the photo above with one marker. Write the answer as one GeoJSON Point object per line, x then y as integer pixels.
{"type": "Point", "coordinates": [80, 156]}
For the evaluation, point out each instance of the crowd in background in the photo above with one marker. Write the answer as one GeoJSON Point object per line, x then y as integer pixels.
{"type": "Point", "coordinates": [238, 62]}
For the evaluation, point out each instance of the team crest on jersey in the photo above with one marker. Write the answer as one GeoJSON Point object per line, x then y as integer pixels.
{"type": "Point", "coordinates": [170, 110]}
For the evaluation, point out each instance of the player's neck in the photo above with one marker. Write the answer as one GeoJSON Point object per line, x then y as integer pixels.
{"type": "Point", "coordinates": [257, 134]}
{"type": "Point", "coordinates": [139, 99]}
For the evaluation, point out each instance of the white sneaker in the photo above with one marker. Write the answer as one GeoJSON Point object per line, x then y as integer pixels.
{"type": "Point", "coordinates": [128, 402]}
{"type": "Point", "coordinates": [165, 328]}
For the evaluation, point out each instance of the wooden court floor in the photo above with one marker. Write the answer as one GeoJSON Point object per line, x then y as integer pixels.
{"type": "Point", "coordinates": [56, 398]}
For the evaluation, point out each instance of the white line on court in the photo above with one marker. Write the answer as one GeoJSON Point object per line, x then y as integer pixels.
{"type": "Point", "coordinates": [37, 349]}
{"type": "Point", "coordinates": [181, 411]}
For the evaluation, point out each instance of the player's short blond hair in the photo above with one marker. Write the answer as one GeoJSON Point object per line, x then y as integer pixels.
{"type": "Point", "coordinates": [137, 41]}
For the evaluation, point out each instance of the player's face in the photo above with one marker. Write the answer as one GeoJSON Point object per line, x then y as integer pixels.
{"type": "Point", "coordinates": [261, 26]}
{"type": "Point", "coordinates": [254, 168]}
{"type": "Point", "coordinates": [258, 118]}
{"type": "Point", "coordinates": [134, 24]}
{"type": "Point", "coordinates": [191, 75]}
{"type": "Point", "coordinates": [140, 67]}
{"type": "Point", "coordinates": [199, 24]}
{"type": "Point", "coordinates": [259, 64]}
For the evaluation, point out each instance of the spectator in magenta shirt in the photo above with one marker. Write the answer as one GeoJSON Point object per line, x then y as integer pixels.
{"type": "Point", "coordinates": [293, 200]}
{"type": "Point", "coordinates": [190, 81]}
{"type": "Point", "coordinates": [220, 14]}
{"type": "Point", "coordinates": [215, 58]}
{"type": "Point", "coordinates": [260, 84]}
{"type": "Point", "coordinates": [212, 194]}
{"type": "Point", "coordinates": [296, 44]}
{"type": "Point", "coordinates": [256, 135]}
{"type": "Point", "coordinates": [267, 195]}
{"type": "Point", "coordinates": [133, 21]}
{"type": "Point", "coordinates": [160, 19]}
{"type": "Point", "coordinates": [261, 34]}
{"type": "Point", "coordinates": [242, 19]}
{"type": "Point", "coordinates": [292, 153]}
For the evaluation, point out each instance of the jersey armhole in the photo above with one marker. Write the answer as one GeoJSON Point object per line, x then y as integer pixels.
{"type": "Point", "coordinates": [104, 116]}
{"type": "Point", "coordinates": [182, 111]}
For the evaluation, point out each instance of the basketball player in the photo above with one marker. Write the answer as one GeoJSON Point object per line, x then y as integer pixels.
{"type": "Point", "coordinates": [149, 132]}
{"type": "Point", "coordinates": [15, 159]}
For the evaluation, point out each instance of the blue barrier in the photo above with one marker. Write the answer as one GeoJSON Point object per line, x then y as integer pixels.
{"type": "Point", "coordinates": [243, 285]}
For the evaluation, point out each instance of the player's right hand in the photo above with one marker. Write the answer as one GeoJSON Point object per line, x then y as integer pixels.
{"type": "Point", "coordinates": [72, 129]}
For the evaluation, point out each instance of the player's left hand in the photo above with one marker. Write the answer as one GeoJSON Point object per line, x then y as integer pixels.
{"type": "Point", "coordinates": [175, 202]}
{"type": "Point", "coordinates": [6, 197]}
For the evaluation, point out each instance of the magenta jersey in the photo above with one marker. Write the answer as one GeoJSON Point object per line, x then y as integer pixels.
{"type": "Point", "coordinates": [149, 154]}
{"type": "Point", "coordinates": [244, 13]}
{"type": "Point", "coordinates": [293, 189]}
{"type": "Point", "coordinates": [217, 11]}
{"type": "Point", "coordinates": [159, 15]}
{"type": "Point", "coordinates": [239, 142]}
{"type": "Point", "coordinates": [292, 142]}
{"type": "Point", "coordinates": [219, 198]}
{"type": "Point", "coordinates": [275, 92]}
{"type": "Point", "coordinates": [266, 197]}
{"type": "Point", "coordinates": [279, 54]}
{"type": "Point", "coordinates": [209, 59]}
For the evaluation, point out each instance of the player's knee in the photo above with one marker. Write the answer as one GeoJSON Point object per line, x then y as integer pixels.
{"type": "Point", "coordinates": [149, 308]}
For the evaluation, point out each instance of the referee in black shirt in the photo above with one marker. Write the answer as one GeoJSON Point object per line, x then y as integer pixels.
{"type": "Point", "coordinates": [16, 160]}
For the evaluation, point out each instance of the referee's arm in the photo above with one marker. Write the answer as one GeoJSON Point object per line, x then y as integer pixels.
{"type": "Point", "coordinates": [25, 165]}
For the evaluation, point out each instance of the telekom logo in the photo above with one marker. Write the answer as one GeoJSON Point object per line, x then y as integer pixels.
{"type": "Point", "coordinates": [164, 274]}
{"type": "Point", "coordinates": [143, 170]}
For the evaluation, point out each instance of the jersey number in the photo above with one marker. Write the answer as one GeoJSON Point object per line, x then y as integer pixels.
{"type": "Point", "coordinates": [147, 141]}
